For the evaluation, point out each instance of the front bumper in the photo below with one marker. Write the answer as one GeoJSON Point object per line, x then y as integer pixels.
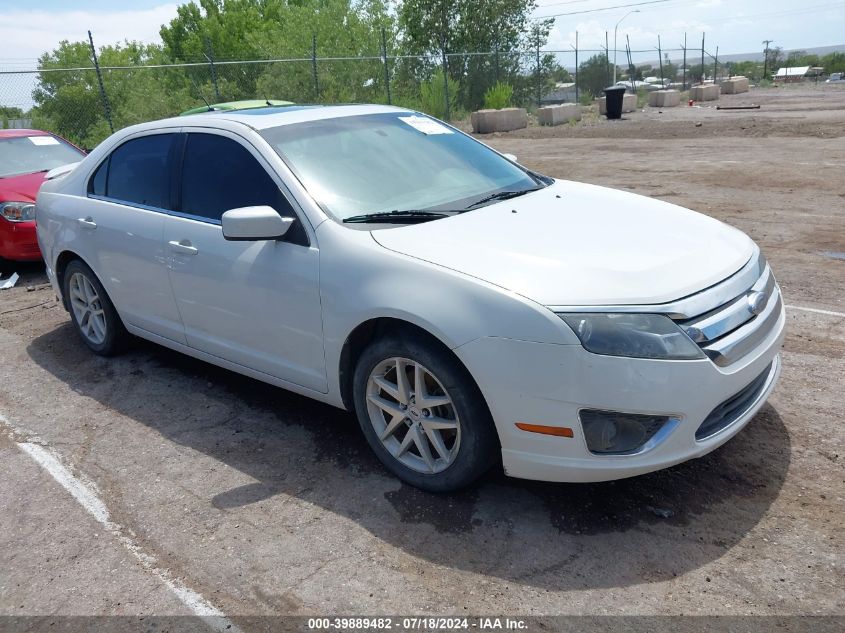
{"type": "Point", "coordinates": [548, 385]}
{"type": "Point", "coordinates": [18, 241]}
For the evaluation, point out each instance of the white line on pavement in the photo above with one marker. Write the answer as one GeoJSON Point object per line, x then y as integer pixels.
{"type": "Point", "coordinates": [817, 311]}
{"type": "Point", "coordinates": [86, 495]}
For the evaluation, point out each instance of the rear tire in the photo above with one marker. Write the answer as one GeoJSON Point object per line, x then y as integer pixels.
{"type": "Point", "coordinates": [422, 414]}
{"type": "Point", "coordinates": [91, 311]}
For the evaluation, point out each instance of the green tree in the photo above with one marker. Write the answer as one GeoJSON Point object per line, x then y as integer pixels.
{"type": "Point", "coordinates": [432, 27]}
{"type": "Point", "coordinates": [592, 75]}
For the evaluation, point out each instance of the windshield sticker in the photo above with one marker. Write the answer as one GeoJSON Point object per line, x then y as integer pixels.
{"type": "Point", "coordinates": [425, 125]}
{"type": "Point", "coordinates": [43, 140]}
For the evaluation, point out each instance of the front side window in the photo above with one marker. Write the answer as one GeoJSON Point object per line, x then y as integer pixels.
{"type": "Point", "coordinates": [29, 154]}
{"type": "Point", "coordinates": [137, 172]}
{"type": "Point", "coordinates": [402, 161]}
{"type": "Point", "coordinates": [219, 174]}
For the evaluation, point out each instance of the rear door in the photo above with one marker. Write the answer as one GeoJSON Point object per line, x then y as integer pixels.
{"type": "Point", "coordinates": [130, 194]}
{"type": "Point", "coordinates": [257, 303]}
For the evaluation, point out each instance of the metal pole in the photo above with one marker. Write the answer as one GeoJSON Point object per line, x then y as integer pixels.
{"type": "Point", "coordinates": [539, 88]}
{"type": "Point", "coordinates": [314, 67]}
{"type": "Point", "coordinates": [660, 57]}
{"type": "Point", "coordinates": [106, 106]}
{"type": "Point", "coordinates": [685, 61]}
{"type": "Point", "coordinates": [702, 58]}
{"type": "Point", "coordinates": [716, 65]}
{"type": "Point", "coordinates": [384, 59]}
{"type": "Point", "coordinates": [766, 58]}
{"type": "Point", "coordinates": [209, 55]}
{"type": "Point", "coordinates": [606, 59]}
{"type": "Point", "coordinates": [631, 70]}
{"type": "Point", "coordinates": [577, 99]}
{"type": "Point", "coordinates": [497, 61]}
{"type": "Point", "coordinates": [445, 87]}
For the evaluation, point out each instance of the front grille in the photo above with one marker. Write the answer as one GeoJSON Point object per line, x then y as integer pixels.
{"type": "Point", "coordinates": [733, 408]}
{"type": "Point", "coordinates": [730, 331]}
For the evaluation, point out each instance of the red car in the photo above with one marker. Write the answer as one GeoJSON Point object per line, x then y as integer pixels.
{"type": "Point", "coordinates": [25, 158]}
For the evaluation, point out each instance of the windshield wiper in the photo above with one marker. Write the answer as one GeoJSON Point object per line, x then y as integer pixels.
{"type": "Point", "coordinates": [501, 195]}
{"type": "Point", "coordinates": [399, 216]}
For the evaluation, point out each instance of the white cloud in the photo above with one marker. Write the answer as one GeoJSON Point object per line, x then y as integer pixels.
{"type": "Point", "coordinates": [26, 34]}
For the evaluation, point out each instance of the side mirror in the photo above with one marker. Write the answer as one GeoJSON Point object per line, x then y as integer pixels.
{"type": "Point", "coordinates": [251, 224]}
{"type": "Point", "coordinates": [510, 157]}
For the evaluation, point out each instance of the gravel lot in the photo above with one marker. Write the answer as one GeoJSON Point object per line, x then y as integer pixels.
{"type": "Point", "coordinates": [255, 501]}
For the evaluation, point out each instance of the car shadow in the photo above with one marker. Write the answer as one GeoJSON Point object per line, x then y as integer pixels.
{"type": "Point", "coordinates": [554, 536]}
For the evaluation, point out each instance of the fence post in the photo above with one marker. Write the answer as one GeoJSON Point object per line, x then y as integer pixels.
{"type": "Point", "coordinates": [685, 61]}
{"type": "Point", "coordinates": [606, 60]}
{"type": "Point", "coordinates": [384, 59]}
{"type": "Point", "coordinates": [632, 72]}
{"type": "Point", "coordinates": [539, 87]}
{"type": "Point", "coordinates": [496, 53]}
{"type": "Point", "coordinates": [660, 57]}
{"type": "Point", "coordinates": [209, 55]}
{"type": "Point", "coordinates": [577, 100]}
{"type": "Point", "coordinates": [716, 65]}
{"type": "Point", "coordinates": [314, 67]}
{"type": "Point", "coordinates": [106, 106]}
{"type": "Point", "coordinates": [446, 86]}
{"type": "Point", "coordinates": [702, 58]}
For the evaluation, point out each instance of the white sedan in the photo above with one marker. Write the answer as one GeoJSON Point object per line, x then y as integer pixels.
{"type": "Point", "coordinates": [468, 310]}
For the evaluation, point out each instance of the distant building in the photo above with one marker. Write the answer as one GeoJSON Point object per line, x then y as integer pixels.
{"type": "Point", "coordinates": [792, 74]}
{"type": "Point", "coordinates": [563, 93]}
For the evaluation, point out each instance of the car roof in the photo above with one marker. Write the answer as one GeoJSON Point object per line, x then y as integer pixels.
{"type": "Point", "coordinates": [263, 118]}
{"type": "Point", "coordinates": [14, 133]}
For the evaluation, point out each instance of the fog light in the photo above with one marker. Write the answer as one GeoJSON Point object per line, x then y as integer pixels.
{"type": "Point", "coordinates": [615, 433]}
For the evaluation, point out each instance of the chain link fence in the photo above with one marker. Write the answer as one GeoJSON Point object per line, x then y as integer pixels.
{"type": "Point", "coordinates": [85, 104]}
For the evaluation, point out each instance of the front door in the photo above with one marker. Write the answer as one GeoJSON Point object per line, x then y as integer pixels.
{"type": "Point", "coordinates": [257, 303]}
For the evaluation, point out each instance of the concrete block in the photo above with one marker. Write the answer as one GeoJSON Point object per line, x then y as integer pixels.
{"type": "Point", "coordinates": [735, 85]}
{"type": "Point", "coordinates": [558, 114]}
{"type": "Point", "coordinates": [664, 98]}
{"type": "Point", "coordinates": [706, 92]}
{"type": "Point", "coordinates": [505, 120]}
{"type": "Point", "coordinates": [629, 103]}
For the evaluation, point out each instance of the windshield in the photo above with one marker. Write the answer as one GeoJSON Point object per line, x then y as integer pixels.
{"type": "Point", "coordinates": [398, 161]}
{"type": "Point", "coordinates": [28, 154]}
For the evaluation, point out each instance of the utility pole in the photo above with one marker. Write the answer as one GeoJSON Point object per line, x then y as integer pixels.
{"type": "Point", "coordinates": [766, 58]}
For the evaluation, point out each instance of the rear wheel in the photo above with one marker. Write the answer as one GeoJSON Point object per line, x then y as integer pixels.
{"type": "Point", "coordinates": [422, 414]}
{"type": "Point", "coordinates": [92, 312]}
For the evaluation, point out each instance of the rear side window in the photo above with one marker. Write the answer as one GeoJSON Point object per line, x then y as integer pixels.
{"type": "Point", "coordinates": [219, 174]}
{"type": "Point", "coordinates": [137, 172]}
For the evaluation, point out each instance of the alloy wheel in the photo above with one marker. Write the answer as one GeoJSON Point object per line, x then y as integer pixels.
{"type": "Point", "coordinates": [413, 415]}
{"type": "Point", "coordinates": [87, 308]}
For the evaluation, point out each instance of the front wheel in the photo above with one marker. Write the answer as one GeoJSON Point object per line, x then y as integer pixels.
{"type": "Point", "coordinates": [422, 414]}
{"type": "Point", "coordinates": [92, 312]}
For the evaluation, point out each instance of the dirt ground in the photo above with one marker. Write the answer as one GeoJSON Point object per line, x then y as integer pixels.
{"type": "Point", "coordinates": [263, 502]}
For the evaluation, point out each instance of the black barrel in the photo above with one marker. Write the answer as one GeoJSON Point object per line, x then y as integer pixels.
{"type": "Point", "coordinates": [614, 96]}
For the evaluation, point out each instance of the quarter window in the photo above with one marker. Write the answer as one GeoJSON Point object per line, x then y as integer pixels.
{"type": "Point", "coordinates": [219, 174]}
{"type": "Point", "coordinates": [137, 172]}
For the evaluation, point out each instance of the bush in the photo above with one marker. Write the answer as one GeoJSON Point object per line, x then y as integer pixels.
{"type": "Point", "coordinates": [432, 99]}
{"type": "Point", "coordinates": [498, 96]}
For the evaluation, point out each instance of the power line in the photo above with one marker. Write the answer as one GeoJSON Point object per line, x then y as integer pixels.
{"type": "Point", "coordinates": [618, 6]}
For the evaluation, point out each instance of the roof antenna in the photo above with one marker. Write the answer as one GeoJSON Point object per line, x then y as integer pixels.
{"type": "Point", "coordinates": [199, 92]}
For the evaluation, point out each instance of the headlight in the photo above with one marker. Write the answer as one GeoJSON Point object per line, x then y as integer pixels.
{"type": "Point", "coordinates": [18, 211]}
{"type": "Point", "coordinates": [633, 335]}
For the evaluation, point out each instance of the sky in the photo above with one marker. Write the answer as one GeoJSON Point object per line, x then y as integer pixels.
{"type": "Point", "coordinates": [28, 28]}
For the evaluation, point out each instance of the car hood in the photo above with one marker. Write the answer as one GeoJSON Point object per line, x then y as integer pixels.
{"type": "Point", "coordinates": [22, 188]}
{"type": "Point", "coordinates": [578, 244]}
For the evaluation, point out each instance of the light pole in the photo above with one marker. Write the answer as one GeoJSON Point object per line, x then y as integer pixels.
{"type": "Point", "coordinates": [614, 41]}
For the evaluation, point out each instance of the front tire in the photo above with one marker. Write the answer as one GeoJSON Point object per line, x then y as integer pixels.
{"type": "Point", "coordinates": [422, 414]}
{"type": "Point", "coordinates": [92, 312]}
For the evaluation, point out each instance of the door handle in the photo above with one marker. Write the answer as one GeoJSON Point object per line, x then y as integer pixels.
{"type": "Point", "coordinates": [87, 223]}
{"type": "Point", "coordinates": [183, 246]}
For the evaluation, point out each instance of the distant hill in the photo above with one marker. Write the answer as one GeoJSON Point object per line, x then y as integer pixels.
{"type": "Point", "coordinates": [758, 56]}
